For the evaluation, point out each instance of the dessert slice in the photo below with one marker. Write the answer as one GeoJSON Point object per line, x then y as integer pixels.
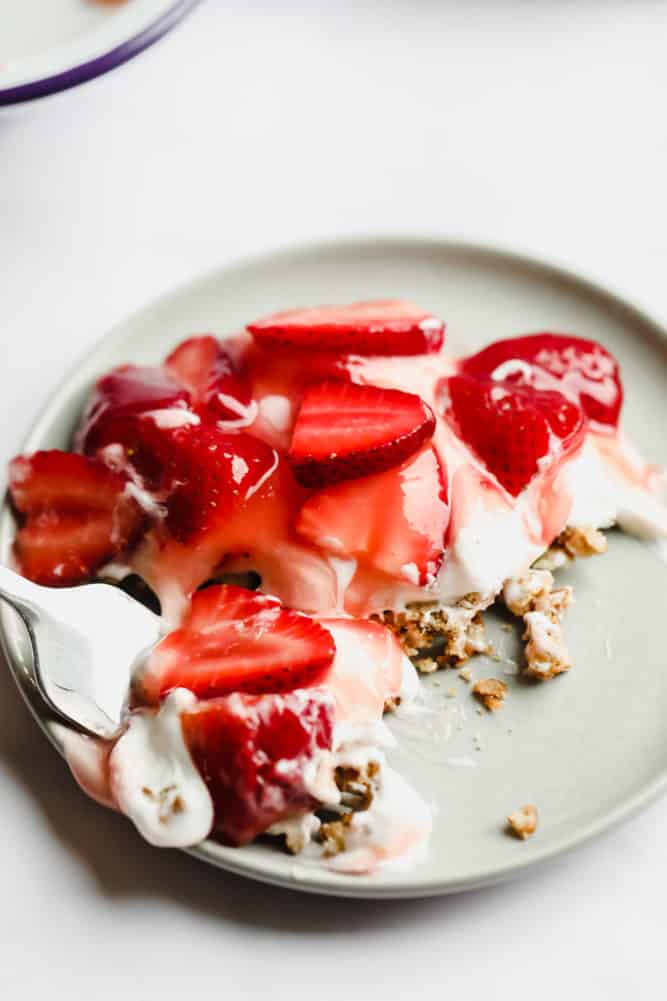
{"type": "Point", "coordinates": [385, 492]}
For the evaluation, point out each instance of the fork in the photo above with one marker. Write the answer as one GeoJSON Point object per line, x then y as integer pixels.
{"type": "Point", "coordinates": [86, 642]}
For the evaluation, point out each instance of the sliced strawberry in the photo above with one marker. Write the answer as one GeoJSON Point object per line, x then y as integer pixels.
{"type": "Point", "coordinates": [208, 475]}
{"type": "Point", "coordinates": [204, 368]}
{"type": "Point", "coordinates": [394, 521]}
{"type": "Point", "coordinates": [582, 370]}
{"type": "Point", "coordinates": [118, 398]}
{"type": "Point", "coordinates": [344, 431]}
{"type": "Point", "coordinates": [254, 753]}
{"type": "Point", "coordinates": [78, 516]}
{"type": "Point", "coordinates": [512, 428]}
{"type": "Point", "coordinates": [385, 327]}
{"type": "Point", "coordinates": [234, 640]}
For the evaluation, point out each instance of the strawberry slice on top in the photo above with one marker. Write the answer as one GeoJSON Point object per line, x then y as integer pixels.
{"type": "Point", "coordinates": [344, 431]}
{"type": "Point", "coordinates": [582, 370]}
{"type": "Point", "coordinates": [205, 369]}
{"type": "Point", "coordinates": [513, 429]}
{"type": "Point", "coordinates": [382, 327]}
{"type": "Point", "coordinates": [235, 640]}
{"type": "Point", "coordinates": [254, 752]}
{"type": "Point", "coordinates": [77, 516]}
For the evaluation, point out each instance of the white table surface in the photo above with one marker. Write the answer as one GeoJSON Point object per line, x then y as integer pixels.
{"type": "Point", "coordinates": [540, 125]}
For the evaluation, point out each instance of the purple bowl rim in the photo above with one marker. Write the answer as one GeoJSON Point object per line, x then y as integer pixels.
{"type": "Point", "coordinates": [83, 72]}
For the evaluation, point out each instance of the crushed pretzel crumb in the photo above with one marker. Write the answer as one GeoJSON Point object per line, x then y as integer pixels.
{"type": "Point", "coordinates": [542, 607]}
{"type": "Point", "coordinates": [586, 541]}
{"type": "Point", "coordinates": [453, 633]}
{"type": "Point", "coordinates": [523, 822]}
{"type": "Point", "coordinates": [490, 692]}
{"type": "Point", "coordinates": [546, 653]}
{"type": "Point", "coordinates": [332, 835]}
{"type": "Point", "coordinates": [357, 785]}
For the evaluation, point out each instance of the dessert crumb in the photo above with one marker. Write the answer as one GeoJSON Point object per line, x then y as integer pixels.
{"type": "Point", "coordinates": [523, 822]}
{"type": "Point", "coordinates": [332, 836]}
{"type": "Point", "coordinates": [465, 673]}
{"type": "Point", "coordinates": [490, 692]}
{"type": "Point", "coordinates": [587, 541]}
{"type": "Point", "coordinates": [451, 693]}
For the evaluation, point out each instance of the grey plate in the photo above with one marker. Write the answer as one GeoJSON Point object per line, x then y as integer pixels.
{"type": "Point", "coordinates": [589, 748]}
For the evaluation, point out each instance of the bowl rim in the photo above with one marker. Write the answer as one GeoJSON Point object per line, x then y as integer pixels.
{"type": "Point", "coordinates": [83, 71]}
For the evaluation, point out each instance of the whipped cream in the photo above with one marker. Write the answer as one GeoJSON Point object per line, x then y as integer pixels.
{"type": "Point", "coordinates": [603, 496]}
{"type": "Point", "coordinates": [393, 832]}
{"type": "Point", "coordinates": [153, 778]}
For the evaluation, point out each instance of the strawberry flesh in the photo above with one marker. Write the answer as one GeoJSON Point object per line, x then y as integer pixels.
{"type": "Point", "coordinates": [582, 370]}
{"type": "Point", "coordinates": [512, 427]}
{"type": "Point", "coordinates": [208, 475]}
{"type": "Point", "coordinates": [393, 521]}
{"type": "Point", "coordinates": [253, 751]}
{"type": "Point", "coordinates": [235, 640]}
{"type": "Point", "coordinates": [384, 327]}
{"type": "Point", "coordinates": [218, 391]}
{"type": "Point", "coordinates": [77, 516]}
{"type": "Point", "coordinates": [344, 431]}
{"type": "Point", "coordinates": [117, 401]}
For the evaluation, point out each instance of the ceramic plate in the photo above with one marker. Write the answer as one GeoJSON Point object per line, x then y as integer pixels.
{"type": "Point", "coordinates": [589, 747]}
{"type": "Point", "coordinates": [50, 45]}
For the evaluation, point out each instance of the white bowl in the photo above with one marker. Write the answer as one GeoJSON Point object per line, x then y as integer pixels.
{"type": "Point", "coordinates": [50, 45]}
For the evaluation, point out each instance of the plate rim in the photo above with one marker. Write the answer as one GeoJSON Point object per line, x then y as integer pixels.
{"type": "Point", "coordinates": [90, 69]}
{"type": "Point", "coordinates": [303, 878]}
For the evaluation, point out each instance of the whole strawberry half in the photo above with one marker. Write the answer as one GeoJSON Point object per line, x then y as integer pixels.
{"type": "Point", "coordinates": [384, 327]}
{"type": "Point", "coordinates": [512, 428]}
{"type": "Point", "coordinates": [235, 640]}
{"type": "Point", "coordinates": [582, 370]}
{"type": "Point", "coordinates": [202, 366]}
{"type": "Point", "coordinates": [253, 753]}
{"type": "Point", "coordinates": [77, 516]}
{"type": "Point", "coordinates": [394, 521]}
{"type": "Point", "coordinates": [344, 431]}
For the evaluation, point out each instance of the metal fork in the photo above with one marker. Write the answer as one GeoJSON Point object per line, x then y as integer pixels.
{"type": "Point", "coordinates": [86, 642]}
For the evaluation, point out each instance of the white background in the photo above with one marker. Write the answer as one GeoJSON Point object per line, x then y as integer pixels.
{"type": "Point", "coordinates": [541, 125]}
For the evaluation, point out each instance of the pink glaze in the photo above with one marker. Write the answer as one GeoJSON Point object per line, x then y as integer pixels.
{"type": "Point", "coordinates": [277, 540]}
{"type": "Point", "coordinates": [88, 760]}
{"type": "Point", "coordinates": [622, 457]}
{"type": "Point", "coordinates": [367, 669]}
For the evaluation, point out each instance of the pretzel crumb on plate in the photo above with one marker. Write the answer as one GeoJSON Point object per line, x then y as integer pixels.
{"type": "Point", "coordinates": [490, 692]}
{"type": "Point", "coordinates": [522, 823]}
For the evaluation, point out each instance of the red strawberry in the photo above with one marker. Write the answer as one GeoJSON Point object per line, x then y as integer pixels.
{"type": "Point", "coordinates": [582, 370]}
{"type": "Point", "coordinates": [385, 327]}
{"type": "Point", "coordinates": [111, 415]}
{"type": "Point", "coordinates": [253, 752]}
{"type": "Point", "coordinates": [344, 431]}
{"type": "Point", "coordinates": [77, 516]}
{"type": "Point", "coordinates": [234, 640]}
{"type": "Point", "coordinates": [512, 427]}
{"type": "Point", "coordinates": [394, 521]}
{"type": "Point", "coordinates": [204, 368]}
{"type": "Point", "coordinates": [208, 475]}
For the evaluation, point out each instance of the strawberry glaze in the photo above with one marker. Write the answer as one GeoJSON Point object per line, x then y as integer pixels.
{"type": "Point", "coordinates": [297, 561]}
